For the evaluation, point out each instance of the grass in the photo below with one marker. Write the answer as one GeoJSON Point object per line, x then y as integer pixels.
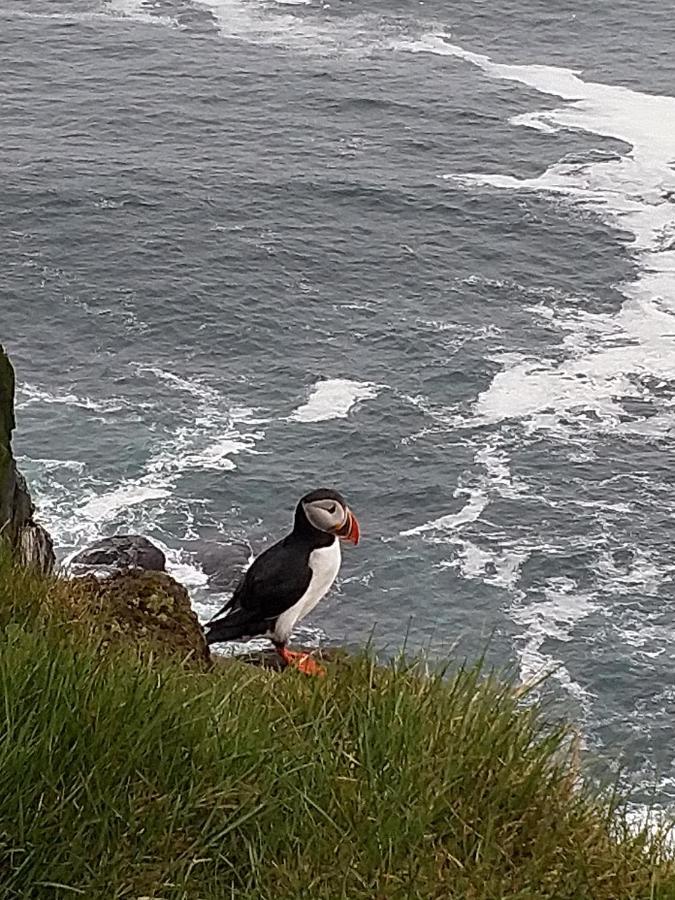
{"type": "Point", "coordinates": [124, 776]}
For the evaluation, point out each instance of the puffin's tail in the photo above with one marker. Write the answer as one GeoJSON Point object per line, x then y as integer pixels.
{"type": "Point", "coordinates": [235, 626]}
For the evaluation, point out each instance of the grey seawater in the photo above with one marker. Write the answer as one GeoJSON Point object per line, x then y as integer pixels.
{"type": "Point", "coordinates": [253, 247]}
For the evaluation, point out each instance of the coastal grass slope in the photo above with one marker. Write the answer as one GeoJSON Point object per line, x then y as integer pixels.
{"type": "Point", "coordinates": [130, 775]}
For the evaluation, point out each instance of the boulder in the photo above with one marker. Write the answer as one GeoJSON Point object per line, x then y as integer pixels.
{"type": "Point", "coordinates": [148, 611]}
{"type": "Point", "coordinates": [112, 555]}
{"type": "Point", "coordinates": [28, 542]}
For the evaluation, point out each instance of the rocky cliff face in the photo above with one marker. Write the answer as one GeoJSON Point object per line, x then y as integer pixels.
{"type": "Point", "coordinates": [28, 540]}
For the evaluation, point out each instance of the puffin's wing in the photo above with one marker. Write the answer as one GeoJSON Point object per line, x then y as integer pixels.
{"type": "Point", "coordinates": [272, 585]}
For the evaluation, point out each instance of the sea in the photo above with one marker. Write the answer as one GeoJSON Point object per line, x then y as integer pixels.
{"type": "Point", "coordinates": [422, 252]}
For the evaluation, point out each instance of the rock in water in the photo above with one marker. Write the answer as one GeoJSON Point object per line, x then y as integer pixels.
{"type": "Point", "coordinates": [223, 563]}
{"type": "Point", "coordinates": [116, 554]}
{"type": "Point", "coordinates": [28, 541]}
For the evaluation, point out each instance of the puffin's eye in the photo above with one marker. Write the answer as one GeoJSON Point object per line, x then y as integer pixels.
{"type": "Point", "coordinates": [332, 508]}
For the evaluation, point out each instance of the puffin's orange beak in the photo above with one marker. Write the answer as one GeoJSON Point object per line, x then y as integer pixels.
{"type": "Point", "coordinates": [350, 531]}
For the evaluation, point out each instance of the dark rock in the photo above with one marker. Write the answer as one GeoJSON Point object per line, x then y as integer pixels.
{"type": "Point", "coordinates": [147, 611]}
{"type": "Point", "coordinates": [112, 555]}
{"type": "Point", "coordinates": [223, 563]}
{"type": "Point", "coordinates": [28, 542]}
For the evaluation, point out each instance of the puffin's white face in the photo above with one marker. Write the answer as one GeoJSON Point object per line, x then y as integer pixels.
{"type": "Point", "coordinates": [327, 511]}
{"type": "Point", "coordinates": [326, 515]}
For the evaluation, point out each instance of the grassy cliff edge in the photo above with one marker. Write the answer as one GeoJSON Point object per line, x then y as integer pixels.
{"type": "Point", "coordinates": [129, 774]}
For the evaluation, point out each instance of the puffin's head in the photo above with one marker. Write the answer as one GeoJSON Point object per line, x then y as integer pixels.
{"type": "Point", "coordinates": [326, 510]}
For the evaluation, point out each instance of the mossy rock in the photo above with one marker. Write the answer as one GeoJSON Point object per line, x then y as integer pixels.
{"type": "Point", "coordinates": [146, 610]}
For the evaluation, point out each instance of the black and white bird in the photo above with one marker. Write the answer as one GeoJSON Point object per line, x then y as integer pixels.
{"type": "Point", "coordinates": [287, 580]}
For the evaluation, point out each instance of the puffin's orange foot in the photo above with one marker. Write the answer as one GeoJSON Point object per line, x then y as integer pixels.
{"type": "Point", "coordinates": [309, 666]}
{"type": "Point", "coordinates": [303, 662]}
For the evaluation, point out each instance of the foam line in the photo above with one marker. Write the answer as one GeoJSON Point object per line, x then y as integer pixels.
{"type": "Point", "coordinates": [552, 619]}
{"type": "Point", "coordinates": [471, 511]}
{"type": "Point", "coordinates": [632, 191]}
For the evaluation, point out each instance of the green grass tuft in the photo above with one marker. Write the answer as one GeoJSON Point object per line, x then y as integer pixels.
{"type": "Point", "coordinates": [128, 777]}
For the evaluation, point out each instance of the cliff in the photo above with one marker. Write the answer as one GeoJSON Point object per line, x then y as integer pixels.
{"type": "Point", "coordinates": [27, 540]}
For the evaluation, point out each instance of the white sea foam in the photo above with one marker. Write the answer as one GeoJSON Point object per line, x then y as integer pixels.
{"type": "Point", "coordinates": [551, 619]}
{"type": "Point", "coordinates": [190, 448]}
{"type": "Point", "coordinates": [30, 394]}
{"type": "Point", "coordinates": [631, 191]}
{"type": "Point", "coordinates": [501, 568]}
{"type": "Point", "coordinates": [274, 23]}
{"type": "Point", "coordinates": [333, 399]}
{"type": "Point", "coordinates": [50, 465]}
{"type": "Point", "coordinates": [472, 509]}
{"type": "Point", "coordinates": [195, 386]}
{"type": "Point", "coordinates": [217, 454]}
{"type": "Point", "coordinates": [497, 465]}
{"type": "Point", "coordinates": [182, 566]}
{"type": "Point", "coordinates": [252, 21]}
{"type": "Point", "coordinates": [645, 573]}
{"type": "Point", "coordinates": [140, 11]}
{"type": "Point", "coordinates": [105, 506]}
{"type": "Point", "coordinates": [100, 509]}
{"type": "Point", "coordinates": [61, 16]}
{"type": "Point", "coordinates": [205, 433]}
{"type": "Point", "coordinates": [493, 478]}
{"type": "Point", "coordinates": [213, 433]}
{"type": "Point", "coordinates": [264, 22]}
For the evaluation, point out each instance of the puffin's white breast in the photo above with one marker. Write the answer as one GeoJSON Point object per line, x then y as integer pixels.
{"type": "Point", "coordinates": [325, 564]}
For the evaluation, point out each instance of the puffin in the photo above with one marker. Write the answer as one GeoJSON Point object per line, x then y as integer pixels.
{"type": "Point", "coordinates": [286, 581]}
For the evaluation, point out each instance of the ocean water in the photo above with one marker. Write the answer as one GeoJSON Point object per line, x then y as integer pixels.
{"type": "Point", "coordinates": [426, 255]}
